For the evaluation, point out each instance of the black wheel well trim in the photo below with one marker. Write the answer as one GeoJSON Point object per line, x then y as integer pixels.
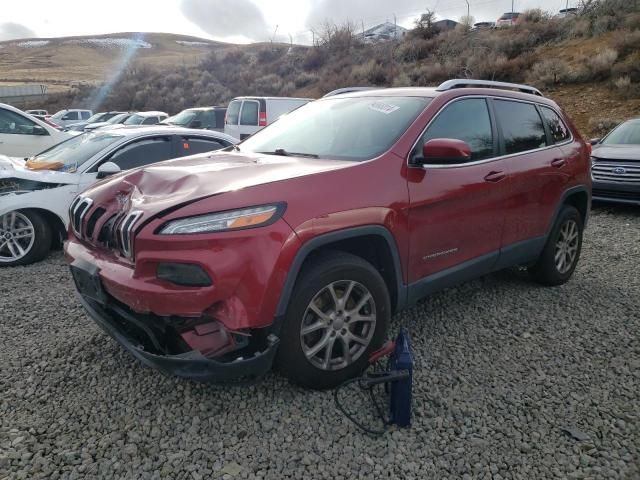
{"type": "Point", "coordinates": [563, 201]}
{"type": "Point", "coordinates": [331, 237]}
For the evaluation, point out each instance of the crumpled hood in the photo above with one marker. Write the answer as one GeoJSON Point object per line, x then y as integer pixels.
{"type": "Point", "coordinates": [15, 168]}
{"type": "Point", "coordinates": [155, 188]}
{"type": "Point", "coordinates": [617, 152]}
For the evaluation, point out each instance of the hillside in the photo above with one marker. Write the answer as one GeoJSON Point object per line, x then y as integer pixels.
{"type": "Point", "coordinates": [590, 64]}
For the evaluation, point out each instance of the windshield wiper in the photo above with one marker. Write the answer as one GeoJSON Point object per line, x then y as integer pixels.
{"type": "Point", "coordinates": [282, 152]}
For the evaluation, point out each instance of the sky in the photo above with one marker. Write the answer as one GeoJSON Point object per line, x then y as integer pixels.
{"type": "Point", "coordinates": [238, 21]}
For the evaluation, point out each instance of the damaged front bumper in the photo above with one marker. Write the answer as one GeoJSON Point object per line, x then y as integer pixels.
{"type": "Point", "coordinates": [191, 364]}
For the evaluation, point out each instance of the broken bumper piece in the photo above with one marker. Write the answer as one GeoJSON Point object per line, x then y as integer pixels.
{"type": "Point", "coordinates": [192, 364]}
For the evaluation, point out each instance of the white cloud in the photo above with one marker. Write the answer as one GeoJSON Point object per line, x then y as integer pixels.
{"type": "Point", "coordinates": [224, 18]}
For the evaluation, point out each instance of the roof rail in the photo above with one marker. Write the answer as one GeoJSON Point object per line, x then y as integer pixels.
{"type": "Point", "coordinates": [467, 83]}
{"type": "Point", "coordinates": [347, 90]}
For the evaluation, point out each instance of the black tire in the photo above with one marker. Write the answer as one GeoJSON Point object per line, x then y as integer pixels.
{"type": "Point", "coordinates": [41, 244]}
{"type": "Point", "coordinates": [546, 271]}
{"type": "Point", "coordinates": [335, 268]}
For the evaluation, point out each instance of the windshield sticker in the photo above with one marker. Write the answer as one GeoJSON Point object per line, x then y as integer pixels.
{"type": "Point", "coordinates": [382, 107]}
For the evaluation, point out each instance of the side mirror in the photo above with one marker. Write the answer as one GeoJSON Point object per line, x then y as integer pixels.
{"type": "Point", "coordinates": [595, 141]}
{"type": "Point", "coordinates": [444, 151]}
{"type": "Point", "coordinates": [38, 130]}
{"type": "Point", "coordinates": [196, 124]}
{"type": "Point", "coordinates": [107, 168]}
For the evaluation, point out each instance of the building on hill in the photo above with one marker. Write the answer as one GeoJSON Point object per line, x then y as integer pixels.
{"type": "Point", "coordinates": [445, 25]}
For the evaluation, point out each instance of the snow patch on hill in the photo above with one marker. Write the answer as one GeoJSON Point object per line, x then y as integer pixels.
{"type": "Point", "coordinates": [33, 43]}
{"type": "Point", "coordinates": [191, 44]}
{"type": "Point", "coordinates": [111, 42]}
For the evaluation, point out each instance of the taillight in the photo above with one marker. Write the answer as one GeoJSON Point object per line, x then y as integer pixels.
{"type": "Point", "coordinates": [262, 119]}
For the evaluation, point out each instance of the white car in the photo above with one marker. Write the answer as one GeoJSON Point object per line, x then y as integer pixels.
{"type": "Point", "coordinates": [146, 118]}
{"type": "Point", "coordinates": [35, 195]}
{"type": "Point", "coordinates": [23, 135]}
{"type": "Point", "coordinates": [246, 115]}
{"type": "Point", "coordinates": [64, 118]}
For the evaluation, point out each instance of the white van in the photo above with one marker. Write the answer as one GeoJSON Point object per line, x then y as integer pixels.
{"type": "Point", "coordinates": [246, 115]}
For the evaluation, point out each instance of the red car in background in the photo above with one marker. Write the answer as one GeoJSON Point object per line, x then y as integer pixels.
{"type": "Point", "coordinates": [297, 245]}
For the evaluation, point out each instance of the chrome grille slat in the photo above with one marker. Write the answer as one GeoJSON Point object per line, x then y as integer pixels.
{"type": "Point", "coordinates": [77, 212]}
{"type": "Point", "coordinates": [123, 232]}
{"type": "Point", "coordinates": [603, 170]}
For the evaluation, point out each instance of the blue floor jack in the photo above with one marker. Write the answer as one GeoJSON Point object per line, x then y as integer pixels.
{"type": "Point", "coordinates": [397, 379]}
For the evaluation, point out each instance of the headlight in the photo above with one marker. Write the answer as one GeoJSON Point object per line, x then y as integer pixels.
{"type": "Point", "coordinates": [223, 221]}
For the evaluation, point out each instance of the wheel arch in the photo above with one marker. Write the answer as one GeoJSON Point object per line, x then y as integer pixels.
{"type": "Point", "coordinates": [579, 197]}
{"type": "Point", "coordinates": [56, 224]}
{"type": "Point", "coordinates": [379, 249]}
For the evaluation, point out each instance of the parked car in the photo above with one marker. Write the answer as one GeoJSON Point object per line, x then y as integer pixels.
{"type": "Point", "coordinates": [507, 19]}
{"type": "Point", "coordinates": [567, 12]}
{"type": "Point", "coordinates": [115, 120]}
{"type": "Point", "coordinates": [41, 113]}
{"type": "Point", "coordinates": [64, 118]}
{"type": "Point", "coordinates": [615, 164]}
{"type": "Point", "coordinates": [299, 243]}
{"type": "Point", "coordinates": [247, 115]}
{"type": "Point", "coordinates": [209, 118]}
{"type": "Point", "coordinates": [95, 118]}
{"type": "Point", "coordinates": [35, 196]}
{"type": "Point", "coordinates": [483, 26]}
{"type": "Point", "coordinates": [145, 118]}
{"type": "Point", "coordinates": [23, 135]}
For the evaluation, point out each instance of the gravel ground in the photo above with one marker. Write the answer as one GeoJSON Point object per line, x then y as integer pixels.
{"type": "Point", "coordinates": [513, 381]}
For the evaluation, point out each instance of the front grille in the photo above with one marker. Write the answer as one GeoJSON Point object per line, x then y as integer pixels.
{"type": "Point", "coordinates": [79, 208]}
{"type": "Point", "coordinates": [93, 218]}
{"type": "Point", "coordinates": [124, 231]}
{"type": "Point", "coordinates": [616, 171]}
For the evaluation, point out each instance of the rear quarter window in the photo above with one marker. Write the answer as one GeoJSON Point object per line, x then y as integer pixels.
{"type": "Point", "coordinates": [559, 130]}
{"type": "Point", "coordinates": [249, 115]}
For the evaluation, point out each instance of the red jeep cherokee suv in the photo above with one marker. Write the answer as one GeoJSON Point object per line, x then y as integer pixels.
{"type": "Point", "coordinates": [297, 245]}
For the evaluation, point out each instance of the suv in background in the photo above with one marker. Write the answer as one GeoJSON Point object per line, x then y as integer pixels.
{"type": "Point", "coordinates": [246, 115]}
{"type": "Point", "coordinates": [38, 113]}
{"type": "Point", "coordinates": [615, 164]}
{"type": "Point", "coordinates": [507, 19]}
{"type": "Point", "coordinates": [64, 118]}
{"type": "Point", "coordinates": [300, 243]}
{"type": "Point", "coordinates": [208, 118]}
{"type": "Point", "coordinates": [145, 118]}
{"type": "Point", "coordinates": [95, 118]}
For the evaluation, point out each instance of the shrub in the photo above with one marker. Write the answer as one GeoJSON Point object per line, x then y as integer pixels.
{"type": "Point", "coordinates": [314, 59]}
{"type": "Point", "coordinates": [304, 79]}
{"type": "Point", "coordinates": [547, 72]}
{"type": "Point", "coordinates": [626, 42]}
{"type": "Point", "coordinates": [599, 65]}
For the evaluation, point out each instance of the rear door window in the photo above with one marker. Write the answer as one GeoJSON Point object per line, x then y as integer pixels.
{"type": "Point", "coordinates": [208, 119]}
{"type": "Point", "coordinates": [522, 127]}
{"type": "Point", "coordinates": [85, 115]}
{"type": "Point", "coordinates": [249, 115]}
{"type": "Point", "coordinates": [559, 131]}
{"type": "Point", "coordinates": [233, 112]}
{"type": "Point", "coordinates": [467, 120]}
{"type": "Point", "coordinates": [70, 116]}
{"type": "Point", "coordinates": [143, 152]}
{"type": "Point", "coordinates": [150, 121]}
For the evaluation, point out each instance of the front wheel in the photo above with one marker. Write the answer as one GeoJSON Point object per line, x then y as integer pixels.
{"type": "Point", "coordinates": [25, 237]}
{"type": "Point", "coordinates": [338, 315]}
{"type": "Point", "coordinates": [562, 250]}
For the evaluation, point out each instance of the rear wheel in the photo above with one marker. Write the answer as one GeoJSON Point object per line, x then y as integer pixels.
{"type": "Point", "coordinates": [338, 315]}
{"type": "Point", "coordinates": [562, 251]}
{"type": "Point", "coordinates": [25, 237]}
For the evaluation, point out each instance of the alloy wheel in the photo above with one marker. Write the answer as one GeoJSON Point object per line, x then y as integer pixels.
{"type": "Point", "coordinates": [338, 325]}
{"type": "Point", "coordinates": [567, 246]}
{"type": "Point", "coordinates": [17, 236]}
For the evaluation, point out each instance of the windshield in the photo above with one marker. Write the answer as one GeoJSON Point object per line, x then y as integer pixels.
{"type": "Point", "coordinates": [95, 118]}
{"type": "Point", "coordinates": [134, 120]}
{"type": "Point", "coordinates": [183, 118]}
{"type": "Point", "coordinates": [626, 134]}
{"type": "Point", "coordinates": [77, 150]}
{"type": "Point", "coordinates": [117, 118]}
{"type": "Point", "coordinates": [358, 128]}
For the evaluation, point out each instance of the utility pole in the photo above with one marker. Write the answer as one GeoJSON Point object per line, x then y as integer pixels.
{"type": "Point", "coordinates": [274, 34]}
{"type": "Point", "coordinates": [395, 27]}
{"type": "Point", "coordinates": [468, 16]}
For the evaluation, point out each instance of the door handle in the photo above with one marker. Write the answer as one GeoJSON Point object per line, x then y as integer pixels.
{"type": "Point", "coordinates": [558, 162]}
{"type": "Point", "coordinates": [495, 176]}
